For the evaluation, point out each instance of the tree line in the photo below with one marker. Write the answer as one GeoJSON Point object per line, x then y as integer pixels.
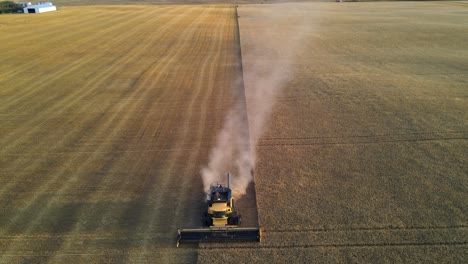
{"type": "Point", "coordinates": [9, 7]}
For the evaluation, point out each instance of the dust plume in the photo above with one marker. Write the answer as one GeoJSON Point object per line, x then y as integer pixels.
{"type": "Point", "coordinates": [267, 66]}
{"type": "Point", "coordinates": [232, 153]}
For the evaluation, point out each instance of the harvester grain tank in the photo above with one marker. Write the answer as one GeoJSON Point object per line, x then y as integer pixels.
{"type": "Point", "coordinates": [221, 220]}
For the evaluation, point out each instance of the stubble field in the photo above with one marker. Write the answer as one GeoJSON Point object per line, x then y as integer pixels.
{"type": "Point", "coordinates": [108, 113]}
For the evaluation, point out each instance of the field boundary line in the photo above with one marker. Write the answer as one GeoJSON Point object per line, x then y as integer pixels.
{"type": "Point", "coordinates": [245, 117]}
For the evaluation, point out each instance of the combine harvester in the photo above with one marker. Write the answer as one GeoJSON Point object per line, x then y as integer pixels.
{"type": "Point", "coordinates": [222, 220]}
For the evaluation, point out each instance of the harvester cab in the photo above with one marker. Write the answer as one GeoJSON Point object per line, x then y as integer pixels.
{"type": "Point", "coordinates": [221, 220]}
{"type": "Point", "coordinates": [218, 193]}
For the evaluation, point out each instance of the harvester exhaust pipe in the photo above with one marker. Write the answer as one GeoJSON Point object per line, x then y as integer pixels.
{"type": "Point", "coordinates": [229, 180]}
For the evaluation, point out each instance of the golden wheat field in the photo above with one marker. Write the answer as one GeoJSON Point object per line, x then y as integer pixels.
{"type": "Point", "coordinates": [108, 113]}
{"type": "Point", "coordinates": [365, 156]}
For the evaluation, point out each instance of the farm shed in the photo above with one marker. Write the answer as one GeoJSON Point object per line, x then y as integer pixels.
{"type": "Point", "coordinates": [40, 7]}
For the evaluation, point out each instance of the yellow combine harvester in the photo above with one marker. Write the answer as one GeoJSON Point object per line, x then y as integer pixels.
{"type": "Point", "coordinates": [221, 220]}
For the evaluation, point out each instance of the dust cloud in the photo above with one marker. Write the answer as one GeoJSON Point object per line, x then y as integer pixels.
{"type": "Point", "coordinates": [232, 153]}
{"type": "Point", "coordinates": [267, 67]}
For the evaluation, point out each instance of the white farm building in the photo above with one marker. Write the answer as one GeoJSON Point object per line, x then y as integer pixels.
{"type": "Point", "coordinates": [40, 7]}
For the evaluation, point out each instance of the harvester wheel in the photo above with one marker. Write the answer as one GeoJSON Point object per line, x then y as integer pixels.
{"type": "Point", "coordinates": [235, 219]}
{"type": "Point", "coordinates": [207, 221]}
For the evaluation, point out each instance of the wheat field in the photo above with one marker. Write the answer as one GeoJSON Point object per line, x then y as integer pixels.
{"type": "Point", "coordinates": [108, 113]}
{"type": "Point", "coordinates": [365, 156]}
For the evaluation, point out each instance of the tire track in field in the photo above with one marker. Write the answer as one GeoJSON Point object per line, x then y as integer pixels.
{"type": "Point", "coordinates": [131, 58]}
{"type": "Point", "coordinates": [90, 158]}
{"type": "Point", "coordinates": [160, 67]}
{"type": "Point", "coordinates": [71, 68]}
{"type": "Point", "coordinates": [49, 32]}
{"type": "Point", "coordinates": [148, 195]}
{"type": "Point", "coordinates": [96, 82]}
{"type": "Point", "coordinates": [51, 29]}
{"type": "Point", "coordinates": [75, 22]}
{"type": "Point", "coordinates": [172, 186]}
{"type": "Point", "coordinates": [143, 84]}
{"type": "Point", "coordinates": [48, 25]}
{"type": "Point", "coordinates": [61, 72]}
{"type": "Point", "coordinates": [208, 69]}
{"type": "Point", "coordinates": [168, 176]}
{"type": "Point", "coordinates": [72, 161]}
{"type": "Point", "coordinates": [193, 56]}
{"type": "Point", "coordinates": [35, 61]}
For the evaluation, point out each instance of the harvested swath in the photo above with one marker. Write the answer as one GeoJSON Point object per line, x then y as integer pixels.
{"type": "Point", "coordinates": [107, 115]}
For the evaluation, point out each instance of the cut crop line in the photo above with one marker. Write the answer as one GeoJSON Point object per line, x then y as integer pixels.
{"type": "Point", "coordinates": [251, 145]}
